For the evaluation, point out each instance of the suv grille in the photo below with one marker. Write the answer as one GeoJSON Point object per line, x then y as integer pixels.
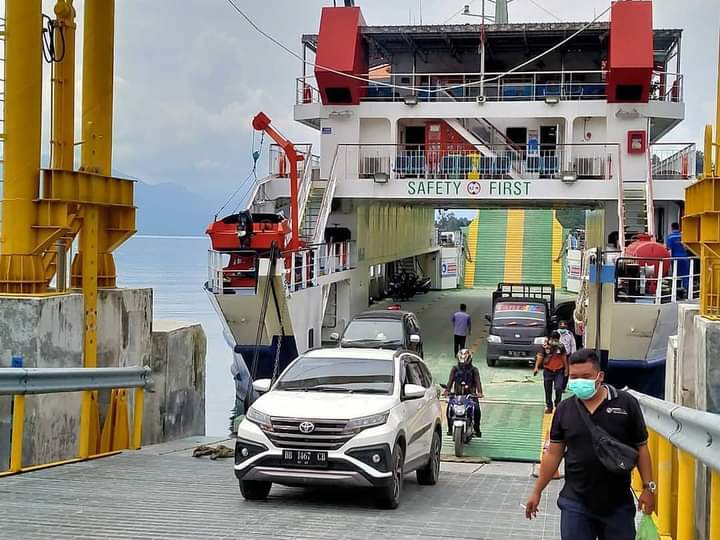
{"type": "Point", "coordinates": [327, 435]}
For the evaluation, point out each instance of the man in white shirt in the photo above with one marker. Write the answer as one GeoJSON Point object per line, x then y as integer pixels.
{"type": "Point", "coordinates": [567, 338]}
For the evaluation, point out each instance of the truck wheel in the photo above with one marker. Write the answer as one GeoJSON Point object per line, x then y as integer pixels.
{"type": "Point", "coordinates": [491, 362]}
{"type": "Point", "coordinates": [388, 497]}
{"type": "Point", "coordinates": [254, 490]}
{"type": "Point", "coordinates": [429, 474]}
{"type": "Point", "coordinates": [459, 442]}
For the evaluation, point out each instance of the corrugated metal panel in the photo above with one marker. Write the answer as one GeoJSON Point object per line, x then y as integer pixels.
{"type": "Point", "coordinates": [489, 257]}
{"type": "Point", "coordinates": [471, 240]}
{"type": "Point", "coordinates": [537, 255]}
{"type": "Point", "coordinates": [514, 242]}
{"type": "Point", "coordinates": [558, 237]}
{"type": "Point", "coordinates": [510, 432]}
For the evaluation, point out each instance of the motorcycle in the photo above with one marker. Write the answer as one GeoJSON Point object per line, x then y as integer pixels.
{"type": "Point", "coordinates": [401, 287]}
{"type": "Point", "coordinates": [462, 412]}
{"type": "Point", "coordinates": [423, 285]}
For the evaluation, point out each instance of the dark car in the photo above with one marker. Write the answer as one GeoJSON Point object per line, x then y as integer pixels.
{"type": "Point", "coordinates": [522, 318]}
{"type": "Point", "coordinates": [382, 330]}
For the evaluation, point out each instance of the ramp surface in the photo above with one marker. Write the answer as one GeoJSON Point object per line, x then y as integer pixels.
{"type": "Point", "coordinates": [140, 495]}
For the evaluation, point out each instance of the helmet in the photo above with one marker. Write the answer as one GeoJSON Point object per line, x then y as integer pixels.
{"type": "Point", "coordinates": [464, 356]}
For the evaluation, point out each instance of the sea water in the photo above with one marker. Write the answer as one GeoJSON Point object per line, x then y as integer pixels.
{"type": "Point", "coordinates": [176, 269]}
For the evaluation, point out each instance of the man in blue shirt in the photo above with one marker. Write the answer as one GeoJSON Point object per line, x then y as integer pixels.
{"type": "Point", "coordinates": [461, 327]}
{"type": "Point", "coordinates": [677, 250]}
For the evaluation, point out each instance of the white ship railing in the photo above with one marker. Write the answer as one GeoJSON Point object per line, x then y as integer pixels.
{"type": "Point", "coordinates": [659, 280]}
{"type": "Point", "coordinates": [300, 269]}
{"type": "Point", "coordinates": [516, 86]}
{"type": "Point", "coordinates": [673, 161]}
{"type": "Point", "coordinates": [583, 161]}
{"type": "Point", "coordinates": [306, 266]}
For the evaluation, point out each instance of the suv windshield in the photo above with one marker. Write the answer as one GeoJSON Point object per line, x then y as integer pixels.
{"type": "Point", "coordinates": [373, 332]}
{"type": "Point", "coordinates": [351, 375]}
{"type": "Point", "coordinates": [519, 314]}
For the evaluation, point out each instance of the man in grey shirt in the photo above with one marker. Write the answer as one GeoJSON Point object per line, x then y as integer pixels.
{"type": "Point", "coordinates": [461, 327]}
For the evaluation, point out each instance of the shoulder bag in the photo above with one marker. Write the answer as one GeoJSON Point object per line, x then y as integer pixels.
{"type": "Point", "coordinates": [617, 457]}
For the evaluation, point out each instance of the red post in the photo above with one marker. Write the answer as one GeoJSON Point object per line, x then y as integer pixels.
{"type": "Point", "coordinates": [261, 122]}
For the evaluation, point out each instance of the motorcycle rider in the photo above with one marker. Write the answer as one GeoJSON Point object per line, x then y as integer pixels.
{"type": "Point", "coordinates": [465, 380]}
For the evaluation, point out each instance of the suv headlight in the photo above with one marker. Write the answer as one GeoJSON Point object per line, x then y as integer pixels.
{"type": "Point", "coordinates": [259, 418]}
{"type": "Point", "coordinates": [494, 339]}
{"type": "Point", "coordinates": [539, 340]}
{"type": "Point", "coordinates": [356, 425]}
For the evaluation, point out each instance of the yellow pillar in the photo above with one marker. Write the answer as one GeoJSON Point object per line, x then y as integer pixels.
{"type": "Point", "coordinates": [715, 505]}
{"type": "Point", "coordinates": [18, 430]}
{"type": "Point", "coordinates": [138, 418]}
{"type": "Point", "coordinates": [664, 482]}
{"type": "Point", "coordinates": [97, 120]}
{"type": "Point", "coordinates": [686, 497]}
{"type": "Point", "coordinates": [63, 80]}
{"type": "Point", "coordinates": [21, 269]}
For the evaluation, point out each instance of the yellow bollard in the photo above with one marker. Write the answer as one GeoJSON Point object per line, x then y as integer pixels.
{"type": "Point", "coordinates": [714, 505]}
{"type": "Point", "coordinates": [85, 424]}
{"type": "Point", "coordinates": [636, 481]}
{"type": "Point", "coordinates": [18, 430]}
{"type": "Point", "coordinates": [138, 418]}
{"type": "Point", "coordinates": [664, 481]}
{"type": "Point", "coordinates": [686, 497]}
{"type": "Point", "coordinates": [653, 448]}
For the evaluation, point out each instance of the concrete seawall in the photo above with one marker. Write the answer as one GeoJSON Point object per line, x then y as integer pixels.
{"type": "Point", "coordinates": [48, 332]}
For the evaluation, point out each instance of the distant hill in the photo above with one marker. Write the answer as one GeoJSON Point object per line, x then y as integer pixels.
{"type": "Point", "coordinates": [172, 210]}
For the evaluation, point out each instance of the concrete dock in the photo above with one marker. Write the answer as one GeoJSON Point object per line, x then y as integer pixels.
{"type": "Point", "coordinates": [162, 492]}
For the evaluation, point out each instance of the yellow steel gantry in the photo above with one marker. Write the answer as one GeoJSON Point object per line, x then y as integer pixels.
{"type": "Point", "coordinates": [43, 210]}
{"type": "Point", "coordinates": [701, 223]}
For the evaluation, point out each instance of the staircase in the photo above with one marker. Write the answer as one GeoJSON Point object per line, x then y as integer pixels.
{"type": "Point", "coordinates": [635, 210]}
{"type": "Point", "coordinates": [311, 214]}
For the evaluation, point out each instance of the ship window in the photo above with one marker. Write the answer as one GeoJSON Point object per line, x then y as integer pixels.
{"type": "Point", "coordinates": [311, 338]}
{"type": "Point", "coordinates": [629, 92]}
{"type": "Point", "coordinates": [338, 95]}
{"type": "Point", "coordinates": [518, 135]}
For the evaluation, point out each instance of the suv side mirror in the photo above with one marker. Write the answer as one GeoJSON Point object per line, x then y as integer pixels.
{"type": "Point", "coordinates": [262, 385]}
{"type": "Point", "coordinates": [413, 391]}
{"type": "Point", "coordinates": [488, 318]}
{"type": "Point", "coordinates": [334, 336]}
{"type": "Point", "coordinates": [414, 338]}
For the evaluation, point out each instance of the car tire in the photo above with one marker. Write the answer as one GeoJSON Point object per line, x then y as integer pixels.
{"type": "Point", "coordinates": [429, 474]}
{"type": "Point", "coordinates": [388, 497]}
{"type": "Point", "coordinates": [254, 491]}
{"type": "Point", "coordinates": [491, 362]}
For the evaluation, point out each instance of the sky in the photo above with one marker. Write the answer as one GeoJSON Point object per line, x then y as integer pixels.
{"type": "Point", "coordinates": [191, 74]}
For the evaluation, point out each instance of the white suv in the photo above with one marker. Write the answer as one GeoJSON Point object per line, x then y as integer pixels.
{"type": "Point", "coordinates": [352, 417]}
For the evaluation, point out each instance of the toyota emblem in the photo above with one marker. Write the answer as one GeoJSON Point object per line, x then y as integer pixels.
{"type": "Point", "coordinates": [307, 427]}
{"type": "Point", "coordinates": [517, 336]}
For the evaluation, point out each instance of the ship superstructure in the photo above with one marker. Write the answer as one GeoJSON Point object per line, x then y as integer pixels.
{"type": "Point", "coordinates": [417, 118]}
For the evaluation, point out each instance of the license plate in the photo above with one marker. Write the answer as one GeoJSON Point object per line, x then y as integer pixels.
{"type": "Point", "coordinates": [304, 458]}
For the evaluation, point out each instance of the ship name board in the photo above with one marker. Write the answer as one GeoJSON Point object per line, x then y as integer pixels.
{"type": "Point", "coordinates": [469, 188]}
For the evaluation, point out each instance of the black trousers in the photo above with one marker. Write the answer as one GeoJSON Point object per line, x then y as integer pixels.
{"type": "Point", "coordinates": [554, 379]}
{"type": "Point", "coordinates": [459, 343]}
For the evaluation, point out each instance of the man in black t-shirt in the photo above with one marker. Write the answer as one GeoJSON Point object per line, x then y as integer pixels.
{"type": "Point", "coordinates": [594, 503]}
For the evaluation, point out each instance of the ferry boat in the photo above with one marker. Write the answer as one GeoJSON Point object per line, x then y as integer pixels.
{"type": "Point", "coordinates": [423, 117]}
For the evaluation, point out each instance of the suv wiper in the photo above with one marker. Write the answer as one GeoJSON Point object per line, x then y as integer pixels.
{"type": "Point", "coordinates": [329, 389]}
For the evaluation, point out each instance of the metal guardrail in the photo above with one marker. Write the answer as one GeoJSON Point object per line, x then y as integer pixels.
{"type": "Point", "coordinates": [24, 381]}
{"type": "Point", "coordinates": [93, 441]}
{"type": "Point", "coordinates": [679, 439]}
{"type": "Point", "coordinates": [695, 432]}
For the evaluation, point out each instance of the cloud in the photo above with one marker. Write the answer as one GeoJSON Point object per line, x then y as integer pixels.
{"type": "Point", "coordinates": [191, 74]}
